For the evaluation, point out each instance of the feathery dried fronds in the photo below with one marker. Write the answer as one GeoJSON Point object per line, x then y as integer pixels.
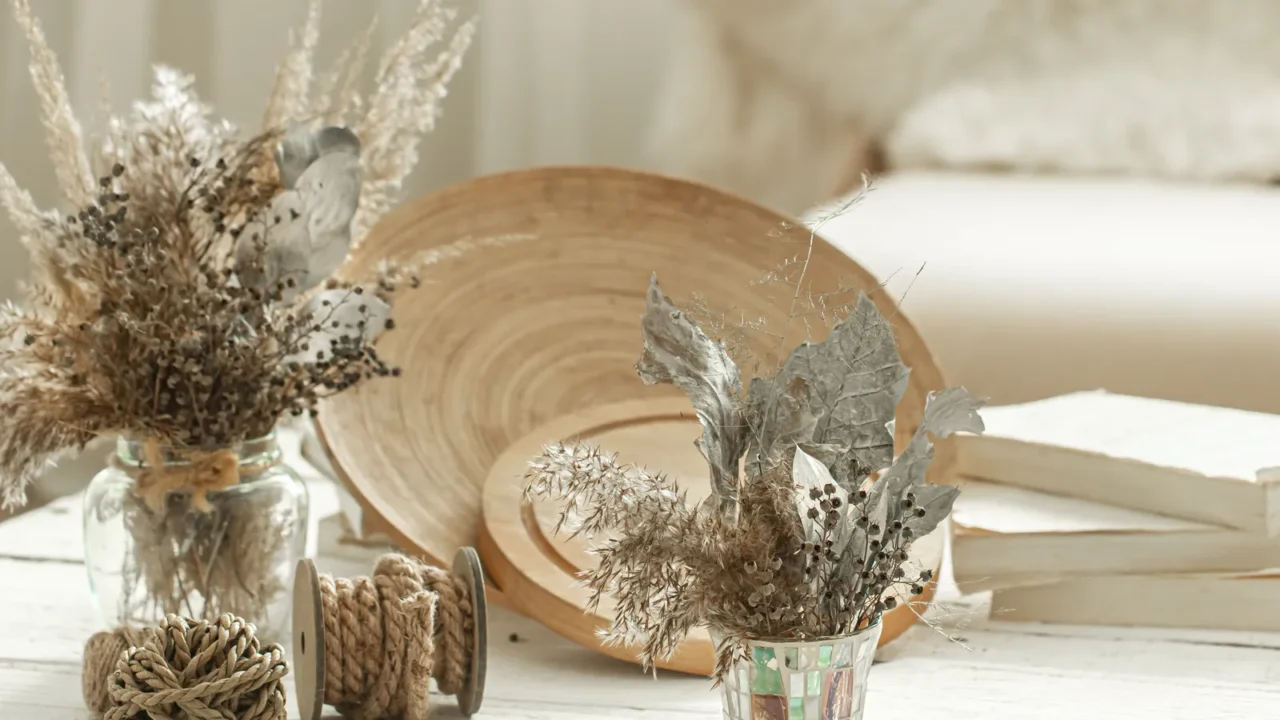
{"type": "Point", "coordinates": [31, 223]}
{"type": "Point", "coordinates": [44, 415]}
{"type": "Point", "coordinates": [190, 294]}
{"type": "Point", "coordinates": [410, 87]}
{"type": "Point", "coordinates": [807, 530]}
{"type": "Point", "coordinates": [293, 77]}
{"type": "Point", "coordinates": [338, 94]}
{"type": "Point", "coordinates": [62, 129]}
{"type": "Point", "coordinates": [405, 107]}
{"type": "Point", "coordinates": [755, 343]}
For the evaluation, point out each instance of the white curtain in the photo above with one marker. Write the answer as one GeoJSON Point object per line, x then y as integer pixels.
{"type": "Point", "coordinates": [569, 81]}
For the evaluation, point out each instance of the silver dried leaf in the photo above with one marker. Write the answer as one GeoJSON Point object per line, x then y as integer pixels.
{"type": "Point", "coordinates": [945, 412]}
{"type": "Point", "coordinates": [951, 411]}
{"type": "Point", "coordinates": [936, 501]}
{"type": "Point", "coordinates": [676, 351]}
{"type": "Point", "coordinates": [778, 422]}
{"type": "Point", "coordinates": [809, 474]}
{"type": "Point", "coordinates": [853, 381]}
{"type": "Point", "coordinates": [341, 316]}
{"type": "Point", "coordinates": [304, 233]}
{"type": "Point", "coordinates": [295, 153]}
{"type": "Point", "coordinates": [828, 455]}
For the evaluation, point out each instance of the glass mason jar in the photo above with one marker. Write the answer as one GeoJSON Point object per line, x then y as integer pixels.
{"type": "Point", "coordinates": [158, 541]}
{"type": "Point", "coordinates": [822, 679]}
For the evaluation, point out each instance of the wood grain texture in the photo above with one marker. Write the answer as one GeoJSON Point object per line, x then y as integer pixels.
{"type": "Point", "coordinates": [501, 340]}
{"type": "Point", "coordinates": [540, 569]}
{"type": "Point", "coordinates": [992, 671]}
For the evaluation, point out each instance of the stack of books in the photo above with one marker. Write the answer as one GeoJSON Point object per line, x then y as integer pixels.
{"type": "Point", "coordinates": [1105, 509]}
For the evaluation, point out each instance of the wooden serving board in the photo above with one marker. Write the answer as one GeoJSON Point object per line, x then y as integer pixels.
{"type": "Point", "coordinates": [538, 570]}
{"type": "Point", "coordinates": [497, 342]}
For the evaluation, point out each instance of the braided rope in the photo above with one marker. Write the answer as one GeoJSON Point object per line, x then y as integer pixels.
{"type": "Point", "coordinates": [203, 670]}
{"type": "Point", "coordinates": [387, 635]}
{"type": "Point", "coordinates": [101, 654]}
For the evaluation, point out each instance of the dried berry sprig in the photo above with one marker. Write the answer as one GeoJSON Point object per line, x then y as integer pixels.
{"type": "Point", "coordinates": [808, 528]}
{"type": "Point", "coordinates": [145, 313]}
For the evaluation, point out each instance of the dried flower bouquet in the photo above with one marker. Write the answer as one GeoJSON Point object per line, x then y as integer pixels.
{"type": "Point", "coordinates": [189, 297]}
{"type": "Point", "coordinates": [810, 517]}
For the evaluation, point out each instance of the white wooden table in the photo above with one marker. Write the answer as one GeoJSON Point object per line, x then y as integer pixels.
{"type": "Point", "coordinates": [992, 671]}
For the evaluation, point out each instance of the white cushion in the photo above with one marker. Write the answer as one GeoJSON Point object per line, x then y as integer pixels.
{"type": "Point", "coordinates": [1034, 286]}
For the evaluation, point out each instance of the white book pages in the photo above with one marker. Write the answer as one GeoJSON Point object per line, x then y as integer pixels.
{"type": "Point", "coordinates": [997, 508]}
{"type": "Point", "coordinates": [1216, 603]}
{"type": "Point", "coordinates": [1206, 440]}
{"type": "Point", "coordinates": [1004, 536]}
{"type": "Point", "coordinates": [1205, 464]}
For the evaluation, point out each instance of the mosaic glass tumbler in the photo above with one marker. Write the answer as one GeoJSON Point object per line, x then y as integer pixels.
{"type": "Point", "coordinates": [813, 680]}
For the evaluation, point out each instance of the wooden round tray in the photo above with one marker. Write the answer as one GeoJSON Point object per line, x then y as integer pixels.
{"type": "Point", "coordinates": [538, 570]}
{"type": "Point", "coordinates": [498, 341]}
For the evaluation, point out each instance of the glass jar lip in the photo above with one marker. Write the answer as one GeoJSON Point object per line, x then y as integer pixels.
{"type": "Point", "coordinates": [131, 451]}
{"type": "Point", "coordinates": [140, 440]}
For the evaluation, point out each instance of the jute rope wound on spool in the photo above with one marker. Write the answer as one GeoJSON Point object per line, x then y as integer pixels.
{"type": "Point", "coordinates": [369, 646]}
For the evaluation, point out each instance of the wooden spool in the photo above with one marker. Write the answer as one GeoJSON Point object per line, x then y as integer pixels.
{"type": "Point", "coordinates": [496, 343]}
{"type": "Point", "coordinates": [309, 645]}
{"type": "Point", "coordinates": [539, 570]}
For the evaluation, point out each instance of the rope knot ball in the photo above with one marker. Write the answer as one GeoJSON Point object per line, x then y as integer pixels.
{"type": "Point", "coordinates": [184, 668]}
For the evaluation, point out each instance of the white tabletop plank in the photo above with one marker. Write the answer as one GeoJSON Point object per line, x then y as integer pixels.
{"type": "Point", "coordinates": [979, 669]}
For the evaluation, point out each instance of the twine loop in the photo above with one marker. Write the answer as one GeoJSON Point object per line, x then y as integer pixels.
{"type": "Point", "coordinates": [203, 670]}
{"type": "Point", "coordinates": [202, 473]}
{"type": "Point", "coordinates": [387, 635]}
